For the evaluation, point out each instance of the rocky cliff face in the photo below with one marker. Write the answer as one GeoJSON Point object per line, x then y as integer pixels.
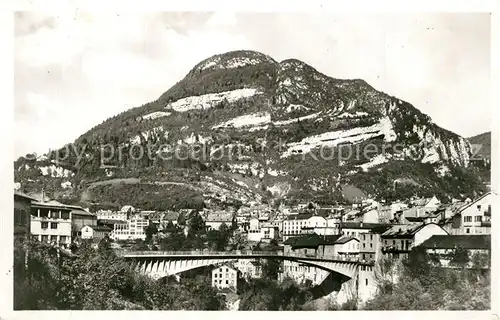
{"type": "Point", "coordinates": [241, 126]}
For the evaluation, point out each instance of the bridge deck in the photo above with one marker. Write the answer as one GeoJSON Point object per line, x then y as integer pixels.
{"type": "Point", "coordinates": [234, 254]}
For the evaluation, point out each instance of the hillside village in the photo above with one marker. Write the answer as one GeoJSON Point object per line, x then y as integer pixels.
{"type": "Point", "coordinates": [365, 231]}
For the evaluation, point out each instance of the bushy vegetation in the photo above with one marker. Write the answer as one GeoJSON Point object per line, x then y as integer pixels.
{"type": "Point", "coordinates": [96, 279]}
{"type": "Point", "coordinates": [271, 295]}
{"type": "Point", "coordinates": [423, 285]}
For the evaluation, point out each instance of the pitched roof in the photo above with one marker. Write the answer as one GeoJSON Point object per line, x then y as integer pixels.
{"type": "Point", "coordinates": [110, 221]}
{"type": "Point", "coordinates": [473, 202]}
{"type": "Point", "coordinates": [51, 205]}
{"type": "Point", "coordinates": [311, 240]}
{"type": "Point", "coordinates": [99, 228]}
{"type": "Point", "coordinates": [404, 230]}
{"type": "Point", "coordinates": [23, 195]}
{"type": "Point", "coordinates": [379, 229]}
{"type": "Point", "coordinates": [416, 219]}
{"type": "Point", "coordinates": [345, 240]}
{"type": "Point", "coordinates": [299, 216]}
{"type": "Point", "coordinates": [475, 241]}
{"type": "Point", "coordinates": [82, 212]}
{"type": "Point", "coordinates": [360, 225]}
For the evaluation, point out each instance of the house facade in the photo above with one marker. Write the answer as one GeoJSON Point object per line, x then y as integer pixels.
{"type": "Point", "coordinates": [22, 215]}
{"type": "Point", "coordinates": [81, 217]}
{"type": "Point", "coordinates": [131, 229]}
{"type": "Point", "coordinates": [51, 223]}
{"type": "Point", "coordinates": [398, 241]}
{"type": "Point", "coordinates": [370, 248]}
{"type": "Point", "coordinates": [442, 246]}
{"type": "Point", "coordinates": [95, 232]}
{"type": "Point", "coordinates": [225, 277]}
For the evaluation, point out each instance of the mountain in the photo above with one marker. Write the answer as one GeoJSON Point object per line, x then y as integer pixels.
{"type": "Point", "coordinates": [242, 127]}
{"type": "Point", "coordinates": [481, 155]}
{"type": "Point", "coordinates": [482, 143]}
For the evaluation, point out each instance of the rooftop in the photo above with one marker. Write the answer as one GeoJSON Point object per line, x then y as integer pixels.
{"type": "Point", "coordinates": [475, 241]}
{"type": "Point", "coordinates": [23, 195]}
{"type": "Point", "coordinates": [345, 240]}
{"type": "Point", "coordinates": [311, 240]}
{"type": "Point", "coordinates": [360, 225]}
{"type": "Point", "coordinates": [403, 230]}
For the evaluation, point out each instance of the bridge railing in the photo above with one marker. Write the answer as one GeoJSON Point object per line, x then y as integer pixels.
{"type": "Point", "coordinates": [240, 253]}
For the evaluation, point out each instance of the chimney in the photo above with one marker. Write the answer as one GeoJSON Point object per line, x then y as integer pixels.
{"type": "Point", "coordinates": [43, 195]}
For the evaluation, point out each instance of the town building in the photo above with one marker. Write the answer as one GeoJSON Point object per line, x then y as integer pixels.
{"type": "Point", "coordinates": [472, 218]}
{"type": "Point", "coordinates": [370, 244]}
{"type": "Point", "coordinates": [307, 223]}
{"type": "Point", "coordinates": [225, 277]}
{"type": "Point", "coordinates": [311, 245]}
{"type": "Point", "coordinates": [22, 215]}
{"type": "Point", "coordinates": [249, 269]}
{"type": "Point", "coordinates": [398, 240]}
{"type": "Point", "coordinates": [441, 246]}
{"type": "Point", "coordinates": [131, 229]}
{"type": "Point", "coordinates": [213, 220]}
{"type": "Point", "coordinates": [111, 215]}
{"type": "Point", "coordinates": [356, 229]}
{"type": "Point", "coordinates": [51, 222]}
{"type": "Point", "coordinates": [95, 232]}
{"type": "Point", "coordinates": [346, 247]}
{"type": "Point", "coordinates": [81, 217]}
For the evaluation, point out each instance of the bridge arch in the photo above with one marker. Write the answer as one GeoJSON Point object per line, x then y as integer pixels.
{"type": "Point", "coordinates": [163, 264]}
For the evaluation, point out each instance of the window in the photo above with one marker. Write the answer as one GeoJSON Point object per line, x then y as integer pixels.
{"type": "Point", "coordinates": [363, 256]}
{"type": "Point", "coordinates": [363, 237]}
{"type": "Point", "coordinates": [478, 218]}
{"type": "Point", "coordinates": [62, 239]}
{"type": "Point", "coordinates": [371, 245]}
{"type": "Point", "coordinates": [45, 225]}
{"type": "Point", "coordinates": [468, 219]}
{"type": "Point", "coordinates": [478, 207]}
{"type": "Point", "coordinates": [53, 238]}
{"type": "Point", "coordinates": [53, 225]}
{"type": "Point", "coordinates": [220, 275]}
{"type": "Point", "coordinates": [371, 237]}
{"type": "Point", "coordinates": [364, 245]}
{"type": "Point", "coordinates": [227, 281]}
{"type": "Point", "coordinates": [215, 275]}
{"type": "Point", "coordinates": [220, 281]}
{"type": "Point", "coordinates": [467, 230]}
{"type": "Point", "coordinates": [366, 281]}
{"type": "Point", "coordinates": [45, 238]}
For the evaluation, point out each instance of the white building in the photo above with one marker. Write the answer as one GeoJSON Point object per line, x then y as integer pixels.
{"type": "Point", "coordinates": [95, 232]}
{"type": "Point", "coordinates": [111, 215]}
{"type": "Point", "coordinates": [249, 268]}
{"type": "Point", "coordinates": [472, 218]}
{"type": "Point", "coordinates": [213, 220]}
{"type": "Point", "coordinates": [262, 232]}
{"type": "Point", "coordinates": [130, 230]}
{"type": "Point", "coordinates": [225, 277]}
{"type": "Point", "coordinates": [346, 247]}
{"type": "Point", "coordinates": [356, 229]}
{"type": "Point", "coordinates": [400, 239]}
{"type": "Point", "coordinates": [306, 223]}
{"type": "Point", "coordinates": [51, 222]}
{"type": "Point", "coordinates": [441, 246]}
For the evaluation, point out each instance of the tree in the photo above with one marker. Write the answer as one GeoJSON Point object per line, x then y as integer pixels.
{"type": "Point", "coordinates": [196, 225]}
{"type": "Point", "coordinates": [480, 260]}
{"type": "Point", "coordinates": [271, 268]}
{"type": "Point", "coordinates": [459, 257]}
{"type": "Point", "coordinates": [150, 230]}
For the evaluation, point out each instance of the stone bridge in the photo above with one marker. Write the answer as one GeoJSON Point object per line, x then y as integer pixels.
{"type": "Point", "coordinates": [159, 264]}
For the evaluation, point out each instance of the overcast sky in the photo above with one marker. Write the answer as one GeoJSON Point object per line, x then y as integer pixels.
{"type": "Point", "coordinates": [74, 71]}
